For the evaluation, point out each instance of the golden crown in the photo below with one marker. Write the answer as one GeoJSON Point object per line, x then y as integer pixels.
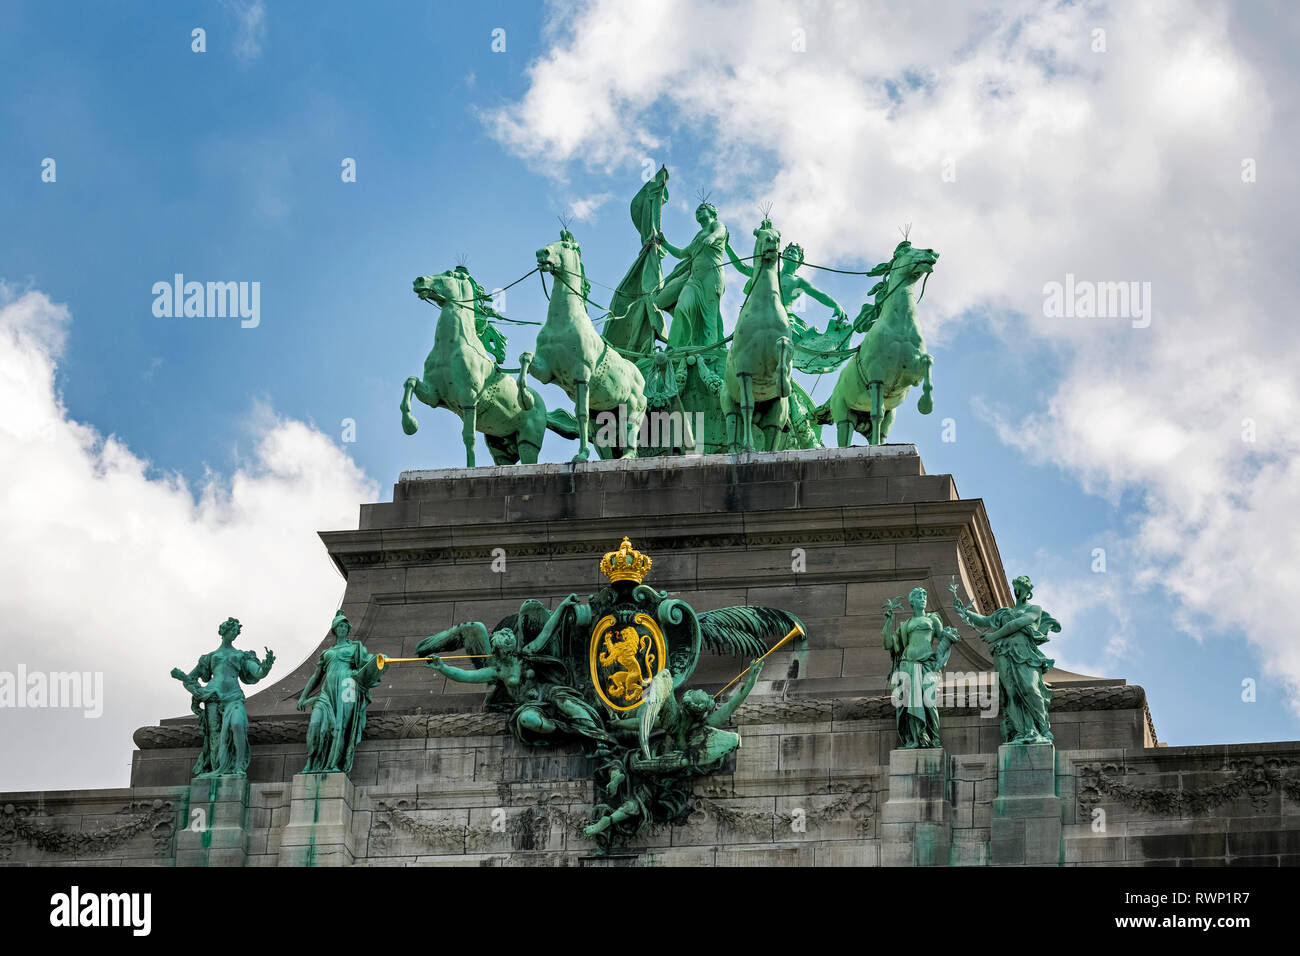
{"type": "Point", "coordinates": [625, 564]}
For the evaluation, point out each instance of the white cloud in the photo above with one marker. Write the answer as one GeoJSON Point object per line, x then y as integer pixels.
{"type": "Point", "coordinates": [584, 208]}
{"type": "Point", "coordinates": [1123, 165]}
{"type": "Point", "coordinates": [250, 17]}
{"type": "Point", "coordinates": [108, 567]}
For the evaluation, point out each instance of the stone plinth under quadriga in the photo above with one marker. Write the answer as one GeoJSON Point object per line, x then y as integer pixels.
{"type": "Point", "coordinates": [829, 535]}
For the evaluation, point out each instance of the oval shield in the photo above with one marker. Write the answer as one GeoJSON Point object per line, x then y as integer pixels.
{"type": "Point", "coordinates": [624, 659]}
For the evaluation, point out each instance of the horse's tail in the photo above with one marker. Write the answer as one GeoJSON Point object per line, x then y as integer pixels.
{"type": "Point", "coordinates": [409, 424]}
{"type": "Point", "coordinates": [562, 423]}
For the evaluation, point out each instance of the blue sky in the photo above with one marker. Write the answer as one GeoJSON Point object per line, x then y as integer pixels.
{"type": "Point", "coordinates": [225, 165]}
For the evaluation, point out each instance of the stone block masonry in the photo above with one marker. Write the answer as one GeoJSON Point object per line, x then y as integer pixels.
{"type": "Point", "coordinates": [828, 534]}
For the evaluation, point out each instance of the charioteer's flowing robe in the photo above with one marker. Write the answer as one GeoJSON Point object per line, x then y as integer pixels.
{"type": "Point", "coordinates": [635, 322]}
{"type": "Point", "coordinates": [693, 293]}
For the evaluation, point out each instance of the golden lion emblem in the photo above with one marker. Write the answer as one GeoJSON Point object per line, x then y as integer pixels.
{"type": "Point", "coordinates": [623, 657]}
{"type": "Point", "coordinates": [626, 684]}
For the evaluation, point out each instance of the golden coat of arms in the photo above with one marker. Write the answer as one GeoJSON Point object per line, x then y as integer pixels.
{"type": "Point", "coordinates": [625, 658]}
{"type": "Point", "coordinates": [626, 649]}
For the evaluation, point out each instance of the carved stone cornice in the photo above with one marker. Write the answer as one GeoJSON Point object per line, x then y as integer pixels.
{"type": "Point", "coordinates": [756, 710]}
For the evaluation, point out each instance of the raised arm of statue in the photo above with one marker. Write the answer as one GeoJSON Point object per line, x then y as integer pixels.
{"type": "Point", "coordinates": [967, 612]}
{"type": "Point", "coordinates": [1028, 617]}
{"type": "Point", "coordinates": [821, 297]}
{"type": "Point", "coordinates": [735, 261]}
{"type": "Point", "coordinates": [891, 636]}
{"type": "Point", "coordinates": [252, 670]}
{"type": "Point", "coordinates": [554, 624]}
{"type": "Point", "coordinates": [480, 675]}
{"type": "Point", "coordinates": [677, 252]}
{"type": "Point", "coordinates": [723, 713]}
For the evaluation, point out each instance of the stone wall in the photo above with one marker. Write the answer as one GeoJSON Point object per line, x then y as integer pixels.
{"type": "Point", "coordinates": [827, 534]}
{"type": "Point", "coordinates": [438, 781]}
{"type": "Point", "coordinates": [815, 783]}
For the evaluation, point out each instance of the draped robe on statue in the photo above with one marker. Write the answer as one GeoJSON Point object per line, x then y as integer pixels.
{"type": "Point", "coordinates": [635, 322]}
{"type": "Point", "coordinates": [341, 687]}
{"type": "Point", "coordinates": [1026, 698]}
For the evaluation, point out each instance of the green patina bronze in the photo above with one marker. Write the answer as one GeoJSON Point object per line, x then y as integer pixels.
{"type": "Point", "coordinates": [460, 374]}
{"type": "Point", "coordinates": [678, 741]}
{"type": "Point", "coordinates": [635, 322]}
{"type": "Point", "coordinates": [916, 668]}
{"type": "Point", "coordinates": [696, 356]}
{"type": "Point", "coordinates": [570, 352]}
{"type": "Point", "coordinates": [338, 693]}
{"type": "Point", "coordinates": [219, 704]}
{"type": "Point", "coordinates": [702, 397]}
{"type": "Point", "coordinates": [757, 392]}
{"type": "Point", "coordinates": [891, 357]}
{"type": "Point", "coordinates": [792, 289]}
{"type": "Point", "coordinates": [535, 688]}
{"type": "Point", "coordinates": [693, 290]}
{"type": "Point", "coordinates": [605, 675]}
{"type": "Point", "coordinates": [1024, 695]}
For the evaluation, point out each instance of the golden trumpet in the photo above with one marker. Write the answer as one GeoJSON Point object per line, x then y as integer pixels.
{"type": "Point", "coordinates": [381, 661]}
{"type": "Point", "coordinates": [796, 630]}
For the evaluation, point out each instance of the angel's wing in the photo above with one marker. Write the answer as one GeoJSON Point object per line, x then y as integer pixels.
{"type": "Point", "coordinates": [526, 623]}
{"type": "Point", "coordinates": [745, 631]}
{"type": "Point", "coordinates": [472, 637]}
{"type": "Point", "coordinates": [661, 688]}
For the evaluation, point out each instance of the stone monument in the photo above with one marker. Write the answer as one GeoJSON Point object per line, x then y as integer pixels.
{"type": "Point", "coordinates": [653, 657]}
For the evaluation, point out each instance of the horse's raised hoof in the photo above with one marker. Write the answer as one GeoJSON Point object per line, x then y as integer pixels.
{"type": "Point", "coordinates": [409, 424]}
{"type": "Point", "coordinates": [926, 404]}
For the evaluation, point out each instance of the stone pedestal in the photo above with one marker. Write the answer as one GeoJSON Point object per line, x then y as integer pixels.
{"type": "Point", "coordinates": [216, 824]}
{"type": "Point", "coordinates": [916, 821]}
{"type": "Point", "coordinates": [319, 832]}
{"type": "Point", "coordinates": [1026, 824]}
